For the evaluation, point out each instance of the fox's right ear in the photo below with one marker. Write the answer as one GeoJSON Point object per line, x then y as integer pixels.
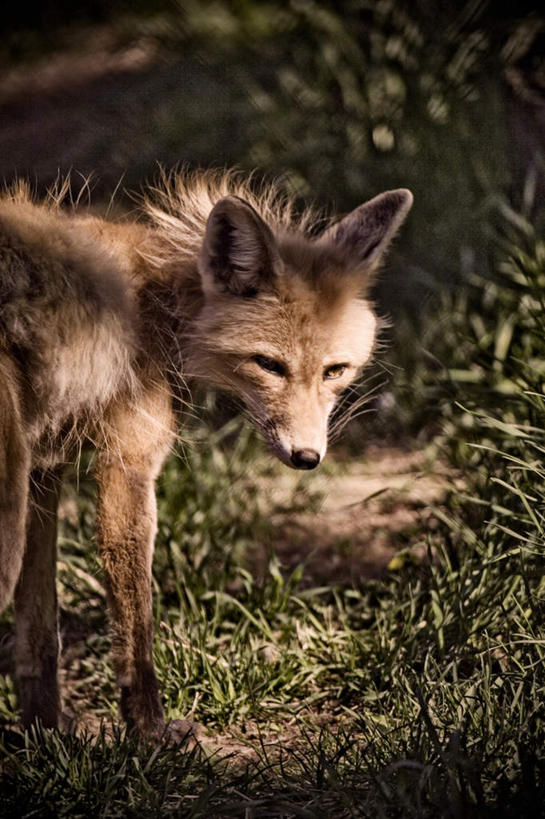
{"type": "Point", "coordinates": [365, 233]}
{"type": "Point", "coordinates": [239, 254]}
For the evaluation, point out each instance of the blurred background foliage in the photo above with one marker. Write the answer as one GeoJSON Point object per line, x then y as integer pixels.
{"type": "Point", "coordinates": [343, 99]}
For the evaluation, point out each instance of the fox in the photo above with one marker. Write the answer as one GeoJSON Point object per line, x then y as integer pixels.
{"type": "Point", "coordinates": [105, 327]}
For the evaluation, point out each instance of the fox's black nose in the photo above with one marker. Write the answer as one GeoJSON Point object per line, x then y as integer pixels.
{"type": "Point", "coordinates": [305, 458]}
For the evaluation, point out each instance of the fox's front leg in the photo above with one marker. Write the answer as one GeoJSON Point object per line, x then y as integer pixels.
{"type": "Point", "coordinates": [138, 440]}
{"type": "Point", "coordinates": [36, 614]}
{"type": "Point", "coordinates": [14, 472]}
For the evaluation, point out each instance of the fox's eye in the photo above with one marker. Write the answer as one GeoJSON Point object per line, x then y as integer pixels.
{"type": "Point", "coordinates": [270, 364]}
{"type": "Point", "coordinates": [335, 371]}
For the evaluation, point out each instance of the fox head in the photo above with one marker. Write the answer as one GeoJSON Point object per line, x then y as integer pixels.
{"type": "Point", "coordinates": [286, 324]}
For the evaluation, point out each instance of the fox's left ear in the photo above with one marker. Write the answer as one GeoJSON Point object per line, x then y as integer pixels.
{"type": "Point", "coordinates": [366, 232]}
{"type": "Point", "coordinates": [239, 254]}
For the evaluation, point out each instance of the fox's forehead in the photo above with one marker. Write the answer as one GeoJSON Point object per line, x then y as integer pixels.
{"type": "Point", "coordinates": [352, 333]}
{"type": "Point", "coordinates": [304, 329]}
{"type": "Point", "coordinates": [318, 332]}
{"type": "Point", "coordinates": [307, 259]}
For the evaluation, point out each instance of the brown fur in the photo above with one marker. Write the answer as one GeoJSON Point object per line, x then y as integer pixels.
{"type": "Point", "coordinates": [102, 328]}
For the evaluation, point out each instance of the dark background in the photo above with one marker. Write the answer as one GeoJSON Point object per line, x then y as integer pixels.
{"type": "Point", "coordinates": [342, 99]}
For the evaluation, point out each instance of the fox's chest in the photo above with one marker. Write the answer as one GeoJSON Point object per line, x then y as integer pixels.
{"type": "Point", "coordinates": [71, 383]}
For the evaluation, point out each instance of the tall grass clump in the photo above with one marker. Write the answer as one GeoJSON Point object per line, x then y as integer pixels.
{"type": "Point", "coordinates": [487, 349]}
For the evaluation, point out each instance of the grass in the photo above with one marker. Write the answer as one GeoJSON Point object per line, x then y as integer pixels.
{"type": "Point", "coordinates": [419, 694]}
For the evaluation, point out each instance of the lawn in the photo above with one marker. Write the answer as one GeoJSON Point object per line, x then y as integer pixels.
{"type": "Point", "coordinates": [414, 688]}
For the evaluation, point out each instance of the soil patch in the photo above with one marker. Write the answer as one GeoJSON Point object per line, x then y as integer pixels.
{"type": "Point", "coordinates": [370, 509]}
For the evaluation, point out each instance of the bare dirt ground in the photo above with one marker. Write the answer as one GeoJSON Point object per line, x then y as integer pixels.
{"type": "Point", "coordinates": [369, 510]}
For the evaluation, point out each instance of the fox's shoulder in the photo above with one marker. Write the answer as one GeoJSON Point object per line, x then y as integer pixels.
{"type": "Point", "coordinates": [89, 244]}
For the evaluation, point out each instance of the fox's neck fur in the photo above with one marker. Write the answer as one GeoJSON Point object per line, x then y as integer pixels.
{"type": "Point", "coordinates": [158, 256]}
